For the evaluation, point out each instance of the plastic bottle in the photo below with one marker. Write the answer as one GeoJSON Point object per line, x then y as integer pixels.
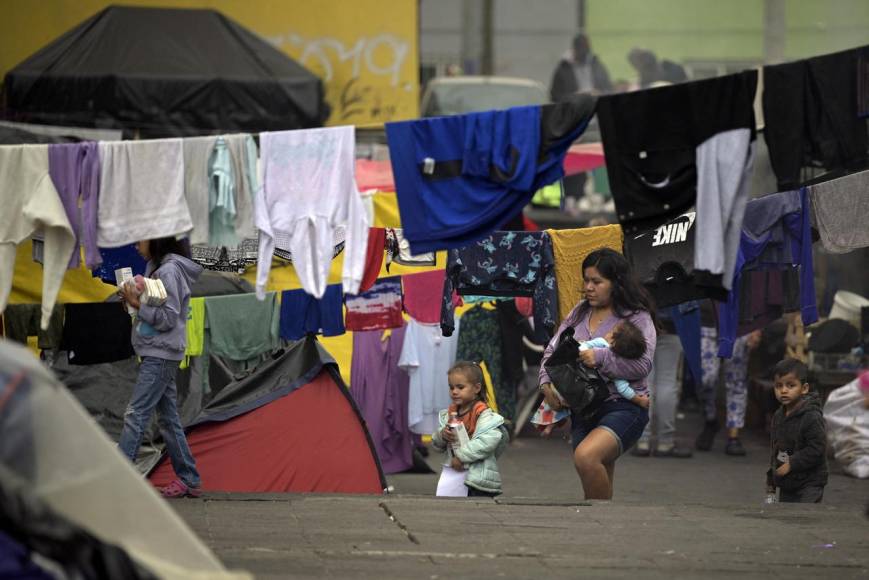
{"type": "Point", "coordinates": [458, 429]}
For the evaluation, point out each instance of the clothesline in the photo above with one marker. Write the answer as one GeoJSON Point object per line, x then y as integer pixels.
{"type": "Point", "coordinates": [468, 166]}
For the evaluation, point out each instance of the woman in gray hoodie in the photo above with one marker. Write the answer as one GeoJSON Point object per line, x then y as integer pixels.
{"type": "Point", "coordinates": [159, 339]}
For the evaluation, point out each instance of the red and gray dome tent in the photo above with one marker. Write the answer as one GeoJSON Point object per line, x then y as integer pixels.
{"type": "Point", "coordinates": [164, 72]}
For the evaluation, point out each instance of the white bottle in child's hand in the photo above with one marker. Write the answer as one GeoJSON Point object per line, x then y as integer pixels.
{"type": "Point", "coordinates": [458, 429]}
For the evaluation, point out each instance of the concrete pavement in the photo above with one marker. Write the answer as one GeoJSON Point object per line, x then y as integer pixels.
{"type": "Point", "coordinates": [669, 518]}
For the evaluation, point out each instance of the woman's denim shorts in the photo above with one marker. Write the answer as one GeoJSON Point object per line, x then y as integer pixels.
{"type": "Point", "coordinates": [625, 420]}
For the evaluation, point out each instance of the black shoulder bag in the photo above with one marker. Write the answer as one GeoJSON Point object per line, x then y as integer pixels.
{"type": "Point", "coordinates": [581, 387]}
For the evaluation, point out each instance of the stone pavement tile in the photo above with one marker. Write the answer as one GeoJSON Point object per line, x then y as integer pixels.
{"type": "Point", "coordinates": [263, 524]}
{"type": "Point", "coordinates": [383, 565]}
{"type": "Point", "coordinates": [268, 563]}
{"type": "Point", "coordinates": [339, 537]}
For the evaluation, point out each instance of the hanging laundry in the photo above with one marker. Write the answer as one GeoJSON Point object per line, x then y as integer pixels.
{"type": "Point", "coordinates": [839, 211]}
{"type": "Point", "coordinates": [776, 234]}
{"type": "Point", "coordinates": [474, 299]}
{"type": "Point", "coordinates": [551, 195]}
{"type": "Point", "coordinates": [373, 257]}
{"type": "Point", "coordinates": [524, 306]}
{"type": "Point", "coordinates": [570, 248]}
{"type": "Point", "coordinates": [689, 146]}
{"type": "Point", "coordinates": [197, 183]}
{"type": "Point", "coordinates": [240, 327]}
{"type": "Point", "coordinates": [113, 258]}
{"type": "Point", "coordinates": [765, 296]}
{"type": "Point", "coordinates": [31, 204]}
{"type": "Point", "coordinates": [863, 81]}
{"type": "Point", "coordinates": [309, 190]}
{"type": "Point", "coordinates": [427, 355]}
{"type": "Point", "coordinates": [377, 309]}
{"type": "Point", "coordinates": [339, 240]}
{"type": "Point", "coordinates": [219, 181]}
{"type": "Point", "coordinates": [243, 157]}
{"type": "Point", "coordinates": [686, 323]}
{"type": "Point", "coordinates": [75, 172]}
{"type": "Point", "coordinates": [651, 141]}
{"type": "Point", "coordinates": [221, 197]}
{"type": "Point", "coordinates": [422, 295]}
{"type": "Point", "coordinates": [303, 314]}
{"type": "Point", "coordinates": [398, 251]}
{"type": "Point", "coordinates": [514, 325]}
{"type": "Point", "coordinates": [22, 320]}
{"type": "Point", "coordinates": [504, 264]}
{"type": "Point", "coordinates": [381, 390]}
{"type": "Point", "coordinates": [663, 261]}
{"type": "Point", "coordinates": [236, 259]}
{"type": "Point", "coordinates": [461, 177]}
{"type": "Point", "coordinates": [96, 333]}
{"type": "Point", "coordinates": [141, 192]}
{"type": "Point", "coordinates": [374, 174]}
{"type": "Point", "coordinates": [812, 121]}
{"type": "Point", "coordinates": [230, 197]}
{"type": "Point", "coordinates": [195, 330]}
{"type": "Point", "coordinates": [480, 342]}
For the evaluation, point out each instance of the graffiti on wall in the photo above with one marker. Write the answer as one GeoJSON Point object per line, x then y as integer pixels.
{"type": "Point", "coordinates": [368, 79]}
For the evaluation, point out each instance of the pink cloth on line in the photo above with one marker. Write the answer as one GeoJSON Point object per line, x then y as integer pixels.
{"type": "Point", "coordinates": [423, 293]}
{"type": "Point", "coordinates": [583, 157]}
{"type": "Point", "coordinates": [374, 175]}
{"type": "Point", "coordinates": [525, 306]}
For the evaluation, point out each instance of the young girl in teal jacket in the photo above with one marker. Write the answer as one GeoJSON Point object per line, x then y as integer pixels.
{"type": "Point", "coordinates": [486, 432]}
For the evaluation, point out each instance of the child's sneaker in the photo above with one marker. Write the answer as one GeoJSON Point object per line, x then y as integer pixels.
{"type": "Point", "coordinates": [734, 447]}
{"type": "Point", "coordinates": [178, 489]}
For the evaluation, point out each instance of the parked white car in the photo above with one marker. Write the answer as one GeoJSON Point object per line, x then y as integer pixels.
{"type": "Point", "coordinates": [468, 94]}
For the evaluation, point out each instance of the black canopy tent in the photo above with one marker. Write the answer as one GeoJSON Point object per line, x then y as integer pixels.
{"type": "Point", "coordinates": [164, 72]}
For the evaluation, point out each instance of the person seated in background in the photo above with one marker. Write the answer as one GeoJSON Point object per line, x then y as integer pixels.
{"type": "Point", "coordinates": [654, 72]}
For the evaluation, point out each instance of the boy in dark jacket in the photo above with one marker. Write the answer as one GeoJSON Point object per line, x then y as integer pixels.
{"type": "Point", "coordinates": [798, 450]}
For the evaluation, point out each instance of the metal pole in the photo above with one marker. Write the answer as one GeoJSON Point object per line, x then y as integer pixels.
{"type": "Point", "coordinates": [580, 15]}
{"type": "Point", "coordinates": [488, 54]}
{"type": "Point", "coordinates": [469, 65]}
{"type": "Point", "coordinates": [774, 31]}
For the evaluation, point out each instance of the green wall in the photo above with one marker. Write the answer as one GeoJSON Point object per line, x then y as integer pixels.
{"type": "Point", "coordinates": [719, 30]}
{"type": "Point", "coordinates": [821, 26]}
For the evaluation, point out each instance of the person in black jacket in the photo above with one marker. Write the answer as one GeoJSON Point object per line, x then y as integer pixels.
{"type": "Point", "coordinates": [798, 446]}
{"type": "Point", "coordinates": [579, 71]}
{"type": "Point", "coordinates": [650, 70]}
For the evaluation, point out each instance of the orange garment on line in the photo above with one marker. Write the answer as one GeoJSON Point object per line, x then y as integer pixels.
{"type": "Point", "coordinates": [570, 248]}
